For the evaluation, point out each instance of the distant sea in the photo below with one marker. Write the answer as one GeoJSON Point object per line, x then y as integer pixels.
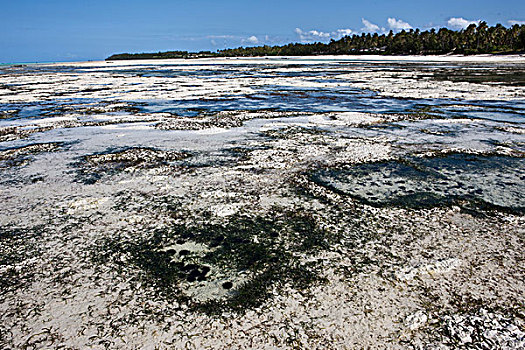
{"type": "Point", "coordinates": [16, 63]}
{"type": "Point", "coordinates": [26, 63]}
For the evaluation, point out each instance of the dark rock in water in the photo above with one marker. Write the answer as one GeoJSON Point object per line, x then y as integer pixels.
{"type": "Point", "coordinates": [189, 267]}
{"type": "Point", "coordinates": [205, 270]}
{"type": "Point", "coordinates": [177, 265]}
{"type": "Point", "coordinates": [227, 285]}
{"type": "Point", "coordinates": [184, 252]}
{"type": "Point", "coordinates": [194, 274]}
{"type": "Point", "coordinates": [191, 278]}
{"type": "Point", "coordinates": [37, 179]}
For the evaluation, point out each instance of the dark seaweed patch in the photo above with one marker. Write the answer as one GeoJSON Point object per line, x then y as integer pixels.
{"type": "Point", "coordinates": [262, 248]}
{"type": "Point", "coordinates": [16, 156]}
{"type": "Point", "coordinates": [17, 246]}
{"type": "Point", "coordinates": [471, 181]}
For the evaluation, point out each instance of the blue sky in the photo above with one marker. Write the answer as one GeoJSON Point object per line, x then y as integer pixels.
{"type": "Point", "coordinates": [59, 30]}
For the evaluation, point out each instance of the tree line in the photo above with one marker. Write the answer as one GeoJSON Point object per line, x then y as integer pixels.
{"type": "Point", "coordinates": [475, 39]}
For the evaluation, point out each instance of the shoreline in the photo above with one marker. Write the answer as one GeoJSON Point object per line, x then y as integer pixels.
{"type": "Point", "coordinates": [519, 58]}
{"type": "Point", "coordinates": [304, 59]}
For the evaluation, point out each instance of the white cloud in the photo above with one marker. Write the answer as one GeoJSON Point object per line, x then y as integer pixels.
{"type": "Point", "coordinates": [228, 40]}
{"type": "Point", "coordinates": [369, 26]}
{"type": "Point", "coordinates": [317, 35]}
{"type": "Point", "coordinates": [344, 32]}
{"type": "Point", "coordinates": [397, 24]}
{"type": "Point", "coordinates": [460, 23]}
{"type": "Point", "coordinates": [513, 22]}
{"type": "Point", "coordinates": [311, 35]}
{"type": "Point", "coordinates": [252, 39]}
{"type": "Point", "coordinates": [221, 37]}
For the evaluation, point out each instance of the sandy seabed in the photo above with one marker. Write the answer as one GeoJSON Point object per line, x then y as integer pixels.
{"type": "Point", "coordinates": [334, 202]}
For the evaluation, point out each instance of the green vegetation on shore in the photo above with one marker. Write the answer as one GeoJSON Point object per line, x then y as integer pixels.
{"type": "Point", "coordinates": [475, 39]}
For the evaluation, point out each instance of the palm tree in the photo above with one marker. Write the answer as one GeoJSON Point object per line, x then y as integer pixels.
{"type": "Point", "coordinates": [481, 33]}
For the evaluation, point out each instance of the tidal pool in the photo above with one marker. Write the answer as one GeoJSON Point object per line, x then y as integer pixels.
{"type": "Point", "coordinates": [486, 181]}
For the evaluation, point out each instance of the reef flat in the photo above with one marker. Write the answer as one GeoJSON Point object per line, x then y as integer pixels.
{"type": "Point", "coordinates": [320, 203]}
